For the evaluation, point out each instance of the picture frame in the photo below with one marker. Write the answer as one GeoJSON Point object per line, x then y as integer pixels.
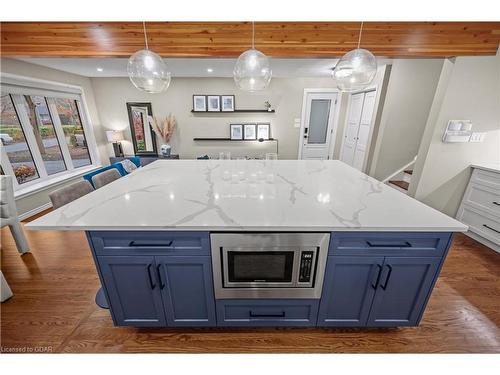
{"type": "Point", "coordinates": [213, 103]}
{"type": "Point", "coordinates": [227, 103]}
{"type": "Point", "coordinates": [249, 132]}
{"type": "Point", "coordinates": [263, 131]}
{"type": "Point", "coordinates": [236, 132]}
{"type": "Point", "coordinates": [199, 103]}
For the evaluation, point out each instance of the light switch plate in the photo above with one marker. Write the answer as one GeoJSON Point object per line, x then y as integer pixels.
{"type": "Point", "coordinates": [296, 123]}
{"type": "Point", "coordinates": [477, 137]}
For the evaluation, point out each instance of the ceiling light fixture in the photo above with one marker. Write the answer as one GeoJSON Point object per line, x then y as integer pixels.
{"type": "Point", "coordinates": [100, 69]}
{"type": "Point", "coordinates": [356, 69]}
{"type": "Point", "coordinates": [252, 71]}
{"type": "Point", "coordinates": [210, 70]}
{"type": "Point", "coordinates": [147, 70]}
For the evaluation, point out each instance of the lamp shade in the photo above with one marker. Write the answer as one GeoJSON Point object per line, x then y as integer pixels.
{"type": "Point", "coordinates": [252, 71]}
{"type": "Point", "coordinates": [114, 136]}
{"type": "Point", "coordinates": [355, 70]}
{"type": "Point", "coordinates": [148, 72]}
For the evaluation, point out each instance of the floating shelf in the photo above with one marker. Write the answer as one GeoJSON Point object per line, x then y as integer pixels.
{"type": "Point", "coordinates": [236, 111]}
{"type": "Point", "coordinates": [234, 140]}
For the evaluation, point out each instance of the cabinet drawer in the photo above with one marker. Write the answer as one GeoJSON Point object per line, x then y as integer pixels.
{"type": "Point", "coordinates": [487, 178]}
{"type": "Point", "coordinates": [156, 243]}
{"type": "Point", "coordinates": [483, 198]}
{"type": "Point", "coordinates": [389, 243]}
{"type": "Point", "coordinates": [487, 226]}
{"type": "Point", "coordinates": [276, 312]}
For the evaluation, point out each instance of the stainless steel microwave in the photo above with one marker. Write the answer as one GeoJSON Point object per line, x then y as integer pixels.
{"type": "Point", "coordinates": [269, 265]}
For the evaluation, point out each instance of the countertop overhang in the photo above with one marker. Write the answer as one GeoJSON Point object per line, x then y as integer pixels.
{"type": "Point", "coordinates": [302, 195]}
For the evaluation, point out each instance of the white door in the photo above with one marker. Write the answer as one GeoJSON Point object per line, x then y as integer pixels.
{"type": "Point", "coordinates": [357, 129]}
{"type": "Point", "coordinates": [352, 128]}
{"type": "Point", "coordinates": [318, 125]}
{"type": "Point", "coordinates": [364, 130]}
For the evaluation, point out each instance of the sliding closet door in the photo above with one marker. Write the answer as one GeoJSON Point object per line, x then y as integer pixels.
{"type": "Point", "coordinates": [364, 130]}
{"type": "Point", "coordinates": [352, 128]}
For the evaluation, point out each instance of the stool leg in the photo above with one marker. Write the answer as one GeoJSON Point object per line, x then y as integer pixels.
{"type": "Point", "coordinates": [5, 292]}
{"type": "Point", "coordinates": [20, 238]}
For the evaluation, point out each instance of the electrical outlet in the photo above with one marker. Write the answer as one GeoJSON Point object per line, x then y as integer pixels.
{"type": "Point", "coordinates": [477, 137]}
{"type": "Point", "coordinates": [296, 123]}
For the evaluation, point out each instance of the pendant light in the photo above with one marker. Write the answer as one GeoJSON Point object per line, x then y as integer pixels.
{"type": "Point", "coordinates": [252, 71]}
{"type": "Point", "coordinates": [147, 71]}
{"type": "Point", "coordinates": [356, 69]}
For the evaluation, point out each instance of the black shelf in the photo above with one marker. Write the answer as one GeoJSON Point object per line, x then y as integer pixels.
{"type": "Point", "coordinates": [234, 140]}
{"type": "Point", "coordinates": [236, 111]}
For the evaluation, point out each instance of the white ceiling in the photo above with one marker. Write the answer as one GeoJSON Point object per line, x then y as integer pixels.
{"type": "Point", "coordinates": [187, 67]}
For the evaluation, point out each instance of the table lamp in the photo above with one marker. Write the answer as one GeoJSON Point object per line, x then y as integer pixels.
{"type": "Point", "coordinates": [115, 137]}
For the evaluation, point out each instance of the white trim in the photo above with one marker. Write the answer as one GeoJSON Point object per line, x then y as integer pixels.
{"type": "Point", "coordinates": [34, 211]}
{"type": "Point", "coordinates": [335, 119]}
{"type": "Point", "coordinates": [60, 179]}
{"type": "Point", "coordinates": [30, 82]}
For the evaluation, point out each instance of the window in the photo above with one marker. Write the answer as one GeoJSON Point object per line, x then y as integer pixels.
{"type": "Point", "coordinates": [44, 135]}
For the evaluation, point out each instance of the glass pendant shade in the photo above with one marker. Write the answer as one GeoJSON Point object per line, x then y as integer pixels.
{"type": "Point", "coordinates": [355, 70]}
{"type": "Point", "coordinates": [148, 72]}
{"type": "Point", "coordinates": [252, 71]}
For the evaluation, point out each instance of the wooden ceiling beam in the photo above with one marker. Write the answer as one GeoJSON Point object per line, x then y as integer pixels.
{"type": "Point", "coordinates": [229, 39]}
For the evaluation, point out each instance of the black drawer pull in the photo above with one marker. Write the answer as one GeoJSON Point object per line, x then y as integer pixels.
{"type": "Point", "coordinates": [147, 244]}
{"type": "Point", "coordinates": [498, 204]}
{"type": "Point", "coordinates": [280, 315]}
{"type": "Point", "coordinates": [493, 229]}
{"type": "Point", "coordinates": [404, 244]}
{"type": "Point", "coordinates": [151, 282]}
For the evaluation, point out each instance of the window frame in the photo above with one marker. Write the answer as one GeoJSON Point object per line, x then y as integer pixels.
{"type": "Point", "coordinates": [16, 87]}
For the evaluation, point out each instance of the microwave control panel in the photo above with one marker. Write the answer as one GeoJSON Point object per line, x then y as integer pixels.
{"type": "Point", "coordinates": [306, 266]}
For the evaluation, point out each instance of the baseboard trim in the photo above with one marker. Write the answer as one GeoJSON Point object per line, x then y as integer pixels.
{"type": "Point", "coordinates": [34, 211]}
{"type": "Point", "coordinates": [483, 240]}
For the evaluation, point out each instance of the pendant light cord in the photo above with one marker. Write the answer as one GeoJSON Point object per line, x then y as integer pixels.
{"type": "Point", "coordinates": [360, 32]}
{"type": "Point", "coordinates": [253, 34]}
{"type": "Point", "coordinates": [145, 34]}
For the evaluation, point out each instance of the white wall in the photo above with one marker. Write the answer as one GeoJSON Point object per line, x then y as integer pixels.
{"type": "Point", "coordinates": [407, 103]}
{"type": "Point", "coordinates": [40, 198]}
{"type": "Point", "coordinates": [472, 93]}
{"type": "Point", "coordinates": [285, 95]}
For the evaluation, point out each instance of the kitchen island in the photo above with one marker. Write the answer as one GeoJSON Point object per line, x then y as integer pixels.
{"type": "Point", "coordinates": [245, 243]}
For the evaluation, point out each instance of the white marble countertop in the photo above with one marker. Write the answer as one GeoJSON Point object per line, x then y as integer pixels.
{"type": "Point", "coordinates": [290, 195]}
{"type": "Point", "coordinates": [492, 167]}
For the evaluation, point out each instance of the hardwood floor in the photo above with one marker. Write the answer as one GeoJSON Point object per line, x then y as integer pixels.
{"type": "Point", "coordinates": [53, 309]}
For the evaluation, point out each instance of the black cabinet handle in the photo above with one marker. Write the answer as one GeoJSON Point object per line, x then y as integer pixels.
{"type": "Point", "coordinates": [493, 229]}
{"type": "Point", "coordinates": [384, 283]}
{"type": "Point", "coordinates": [158, 271]}
{"type": "Point", "coordinates": [151, 282]}
{"type": "Point", "coordinates": [498, 204]}
{"type": "Point", "coordinates": [403, 244]}
{"type": "Point", "coordinates": [146, 244]}
{"type": "Point", "coordinates": [376, 276]}
{"type": "Point", "coordinates": [253, 315]}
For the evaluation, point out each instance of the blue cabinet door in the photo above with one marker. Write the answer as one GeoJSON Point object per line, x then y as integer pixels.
{"type": "Point", "coordinates": [133, 290]}
{"type": "Point", "coordinates": [348, 289]}
{"type": "Point", "coordinates": [405, 284]}
{"type": "Point", "coordinates": [187, 289]}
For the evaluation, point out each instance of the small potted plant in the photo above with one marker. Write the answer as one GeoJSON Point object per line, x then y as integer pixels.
{"type": "Point", "coordinates": [267, 105]}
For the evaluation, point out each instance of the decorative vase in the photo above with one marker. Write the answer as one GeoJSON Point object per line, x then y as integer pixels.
{"type": "Point", "coordinates": [165, 149]}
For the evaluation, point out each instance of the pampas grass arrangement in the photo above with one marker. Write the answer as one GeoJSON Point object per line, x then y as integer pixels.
{"type": "Point", "coordinates": [164, 129]}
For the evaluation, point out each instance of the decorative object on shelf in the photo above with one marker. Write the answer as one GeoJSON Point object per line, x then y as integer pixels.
{"type": "Point", "coordinates": [263, 131]}
{"type": "Point", "coordinates": [252, 71]}
{"type": "Point", "coordinates": [227, 103]}
{"type": "Point", "coordinates": [236, 132]}
{"type": "Point", "coordinates": [165, 130]}
{"type": "Point", "coordinates": [250, 131]}
{"type": "Point", "coordinates": [356, 69]}
{"type": "Point", "coordinates": [458, 131]}
{"type": "Point", "coordinates": [147, 71]}
{"type": "Point", "coordinates": [115, 137]}
{"type": "Point", "coordinates": [143, 136]}
{"type": "Point", "coordinates": [199, 103]}
{"type": "Point", "coordinates": [268, 106]}
{"type": "Point", "coordinates": [213, 103]}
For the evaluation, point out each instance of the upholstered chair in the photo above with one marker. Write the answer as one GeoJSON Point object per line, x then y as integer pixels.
{"type": "Point", "coordinates": [69, 193]}
{"type": "Point", "coordinates": [106, 177]}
